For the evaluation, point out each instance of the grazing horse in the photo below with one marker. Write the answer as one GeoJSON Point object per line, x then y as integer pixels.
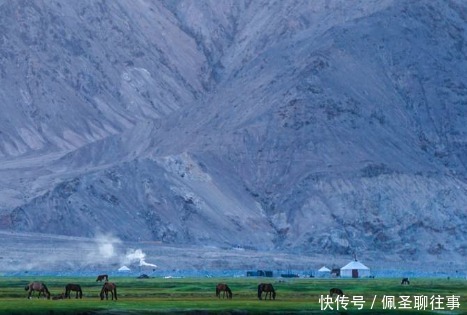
{"type": "Point", "coordinates": [37, 286]}
{"type": "Point", "coordinates": [73, 287]}
{"type": "Point", "coordinates": [222, 287]}
{"type": "Point", "coordinates": [335, 291]}
{"type": "Point", "coordinates": [109, 287]}
{"type": "Point", "coordinates": [268, 288]}
{"type": "Point", "coordinates": [102, 277]}
{"type": "Point", "coordinates": [405, 281]}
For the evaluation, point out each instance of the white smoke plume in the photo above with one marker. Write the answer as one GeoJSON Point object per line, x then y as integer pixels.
{"type": "Point", "coordinates": [137, 256]}
{"type": "Point", "coordinates": [105, 249]}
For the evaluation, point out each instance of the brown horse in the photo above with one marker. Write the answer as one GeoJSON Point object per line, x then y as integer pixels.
{"type": "Point", "coordinates": [60, 296]}
{"type": "Point", "coordinates": [268, 288]}
{"type": "Point", "coordinates": [102, 277]}
{"type": "Point", "coordinates": [109, 287]}
{"type": "Point", "coordinates": [37, 286]}
{"type": "Point", "coordinates": [335, 291]}
{"type": "Point", "coordinates": [73, 287]}
{"type": "Point", "coordinates": [222, 287]}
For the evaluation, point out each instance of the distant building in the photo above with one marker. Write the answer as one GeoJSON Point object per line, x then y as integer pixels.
{"type": "Point", "coordinates": [355, 269]}
{"type": "Point", "coordinates": [336, 272]}
{"type": "Point", "coordinates": [324, 272]}
{"type": "Point", "coordinates": [124, 268]}
{"type": "Point", "coordinates": [259, 273]}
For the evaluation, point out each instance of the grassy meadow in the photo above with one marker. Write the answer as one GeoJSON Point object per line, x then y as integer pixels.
{"type": "Point", "coordinates": [197, 296]}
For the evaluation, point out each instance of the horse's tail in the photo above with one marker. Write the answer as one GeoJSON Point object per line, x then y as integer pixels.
{"type": "Point", "coordinates": [80, 292]}
{"type": "Point", "coordinates": [217, 291]}
{"type": "Point", "coordinates": [260, 286]}
{"type": "Point", "coordinates": [273, 293]}
{"type": "Point", "coordinates": [229, 292]}
{"type": "Point", "coordinates": [115, 291]}
{"type": "Point", "coordinates": [26, 288]}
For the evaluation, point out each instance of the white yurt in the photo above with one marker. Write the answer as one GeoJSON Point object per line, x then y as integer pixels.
{"type": "Point", "coordinates": [324, 272]}
{"type": "Point", "coordinates": [124, 269]}
{"type": "Point", "coordinates": [355, 269]}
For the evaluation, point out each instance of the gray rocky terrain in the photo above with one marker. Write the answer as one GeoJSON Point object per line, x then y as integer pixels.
{"type": "Point", "coordinates": [312, 129]}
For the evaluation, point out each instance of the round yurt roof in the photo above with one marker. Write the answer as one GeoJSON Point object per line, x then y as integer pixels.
{"type": "Point", "coordinates": [324, 269]}
{"type": "Point", "coordinates": [354, 264]}
{"type": "Point", "coordinates": [123, 268]}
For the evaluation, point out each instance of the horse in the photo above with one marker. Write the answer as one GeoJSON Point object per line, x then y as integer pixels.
{"type": "Point", "coordinates": [73, 287]}
{"type": "Point", "coordinates": [60, 296]}
{"type": "Point", "coordinates": [102, 277]}
{"type": "Point", "coordinates": [37, 286]}
{"type": "Point", "coordinates": [109, 286]}
{"type": "Point", "coordinates": [405, 281]}
{"type": "Point", "coordinates": [268, 288]}
{"type": "Point", "coordinates": [335, 291]}
{"type": "Point", "coordinates": [222, 287]}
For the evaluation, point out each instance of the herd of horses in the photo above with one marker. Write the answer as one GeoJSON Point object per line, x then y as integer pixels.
{"type": "Point", "coordinates": [111, 287]}
{"type": "Point", "coordinates": [262, 287]}
{"type": "Point", "coordinates": [42, 289]}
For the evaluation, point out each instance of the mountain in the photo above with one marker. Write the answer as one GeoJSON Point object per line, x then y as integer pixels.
{"type": "Point", "coordinates": [313, 127]}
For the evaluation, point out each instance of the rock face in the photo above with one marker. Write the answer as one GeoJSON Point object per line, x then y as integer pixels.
{"type": "Point", "coordinates": [330, 127]}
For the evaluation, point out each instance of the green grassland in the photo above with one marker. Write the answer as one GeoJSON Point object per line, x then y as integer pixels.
{"type": "Point", "coordinates": [197, 296]}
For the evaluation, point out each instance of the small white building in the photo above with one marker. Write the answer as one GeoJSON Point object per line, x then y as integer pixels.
{"type": "Point", "coordinates": [124, 269]}
{"type": "Point", "coordinates": [355, 269]}
{"type": "Point", "coordinates": [324, 272]}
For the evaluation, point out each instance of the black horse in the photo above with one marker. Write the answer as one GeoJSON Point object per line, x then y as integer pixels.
{"type": "Point", "coordinates": [102, 277]}
{"type": "Point", "coordinates": [73, 287]}
{"type": "Point", "coordinates": [405, 281]}
{"type": "Point", "coordinates": [335, 291]}
{"type": "Point", "coordinates": [268, 288]}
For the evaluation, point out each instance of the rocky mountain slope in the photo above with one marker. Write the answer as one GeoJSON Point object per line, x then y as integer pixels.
{"type": "Point", "coordinates": [330, 127]}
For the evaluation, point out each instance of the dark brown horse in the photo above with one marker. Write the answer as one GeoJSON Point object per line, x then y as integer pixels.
{"type": "Point", "coordinates": [222, 287]}
{"type": "Point", "coordinates": [405, 281]}
{"type": "Point", "coordinates": [37, 286]}
{"type": "Point", "coordinates": [60, 296]}
{"type": "Point", "coordinates": [335, 291]}
{"type": "Point", "coordinates": [73, 287]}
{"type": "Point", "coordinates": [268, 288]}
{"type": "Point", "coordinates": [102, 277]}
{"type": "Point", "coordinates": [109, 287]}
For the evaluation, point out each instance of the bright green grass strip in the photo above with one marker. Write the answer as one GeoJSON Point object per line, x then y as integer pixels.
{"type": "Point", "coordinates": [193, 295]}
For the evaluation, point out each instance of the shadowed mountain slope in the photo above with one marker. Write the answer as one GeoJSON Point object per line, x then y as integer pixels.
{"type": "Point", "coordinates": [326, 127]}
